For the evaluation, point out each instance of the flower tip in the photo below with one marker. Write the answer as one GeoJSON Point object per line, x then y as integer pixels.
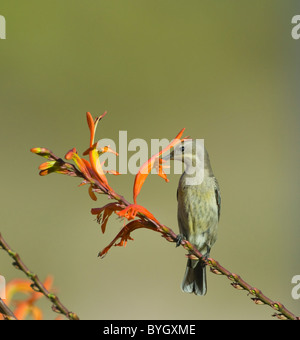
{"type": "Point", "coordinates": [46, 165]}
{"type": "Point", "coordinates": [44, 172]}
{"type": "Point", "coordinates": [90, 121]}
{"type": "Point", "coordinates": [103, 115]}
{"type": "Point", "coordinates": [102, 253]}
{"type": "Point", "coordinates": [69, 154]}
{"type": "Point", "coordinates": [95, 211]}
{"type": "Point", "coordinates": [42, 151]}
{"type": "Point", "coordinates": [35, 150]}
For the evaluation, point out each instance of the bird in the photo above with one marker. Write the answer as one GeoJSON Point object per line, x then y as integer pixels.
{"type": "Point", "coordinates": [198, 211]}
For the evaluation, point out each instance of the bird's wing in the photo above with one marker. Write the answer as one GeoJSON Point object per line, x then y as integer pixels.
{"type": "Point", "coordinates": [218, 197]}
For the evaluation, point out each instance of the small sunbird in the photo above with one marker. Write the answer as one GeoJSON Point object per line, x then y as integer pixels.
{"type": "Point", "coordinates": [199, 204]}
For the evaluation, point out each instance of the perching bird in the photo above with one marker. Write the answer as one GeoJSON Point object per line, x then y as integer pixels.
{"type": "Point", "coordinates": [199, 204]}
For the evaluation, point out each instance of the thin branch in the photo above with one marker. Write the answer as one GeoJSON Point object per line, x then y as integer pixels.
{"type": "Point", "coordinates": [237, 282]}
{"type": "Point", "coordinates": [37, 284]}
{"type": "Point", "coordinates": [6, 312]}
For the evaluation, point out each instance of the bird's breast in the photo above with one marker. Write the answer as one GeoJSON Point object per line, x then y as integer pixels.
{"type": "Point", "coordinates": [197, 211]}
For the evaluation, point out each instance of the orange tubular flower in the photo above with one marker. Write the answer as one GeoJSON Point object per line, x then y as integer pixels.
{"type": "Point", "coordinates": [86, 169]}
{"type": "Point", "coordinates": [93, 174]}
{"type": "Point", "coordinates": [104, 213]}
{"type": "Point", "coordinates": [46, 153]}
{"type": "Point", "coordinates": [93, 152]}
{"type": "Point", "coordinates": [132, 210]}
{"type": "Point", "coordinates": [124, 235]}
{"type": "Point", "coordinates": [82, 164]}
{"type": "Point", "coordinates": [146, 168]}
{"type": "Point", "coordinates": [26, 307]}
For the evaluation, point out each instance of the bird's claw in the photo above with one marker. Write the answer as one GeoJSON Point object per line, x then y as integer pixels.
{"type": "Point", "coordinates": [205, 257]}
{"type": "Point", "coordinates": [179, 239]}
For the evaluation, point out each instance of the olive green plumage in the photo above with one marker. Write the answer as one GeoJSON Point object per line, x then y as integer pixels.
{"type": "Point", "coordinates": [199, 204]}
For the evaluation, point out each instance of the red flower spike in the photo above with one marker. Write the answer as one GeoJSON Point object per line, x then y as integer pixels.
{"type": "Point", "coordinates": [146, 168]}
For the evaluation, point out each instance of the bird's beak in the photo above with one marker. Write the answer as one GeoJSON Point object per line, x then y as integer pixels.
{"type": "Point", "coordinates": [169, 156]}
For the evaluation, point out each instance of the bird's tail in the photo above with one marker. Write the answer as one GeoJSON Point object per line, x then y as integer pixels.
{"type": "Point", "coordinates": [194, 280]}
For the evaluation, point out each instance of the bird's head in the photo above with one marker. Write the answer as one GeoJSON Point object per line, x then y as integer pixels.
{"type": "Point", "coordinates": [192, 153]}
{"type": "Point", "coordinates": [187, 151]}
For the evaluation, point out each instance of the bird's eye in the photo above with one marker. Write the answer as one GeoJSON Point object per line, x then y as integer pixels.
{"type": "Point", "coordinates": [182, 149]}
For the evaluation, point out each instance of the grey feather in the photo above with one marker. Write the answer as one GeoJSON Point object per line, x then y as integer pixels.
{"type": "Point", "coordinates": [194, 280]}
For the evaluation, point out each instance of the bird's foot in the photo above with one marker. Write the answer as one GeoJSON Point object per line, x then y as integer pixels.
{"type": "Point", "coordinates": [205, 257]}
{"type": "Point", "coordinates": [179, 239]}
{"type": "Point", "coordinates": [203, 261]}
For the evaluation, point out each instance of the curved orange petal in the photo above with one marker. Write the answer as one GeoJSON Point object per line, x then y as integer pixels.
{"type": "Point", "coordinates": [46, 165]}
{"type": "Point", "coordinates": [36, 313]}
{"type": "Point", "coordinates": [91, 125]}
{"type": "Point", "coordinates": [92, 194]}
{"type": "Point", "coordinates": [124, 235]}
{"type": "Point", "coordinates": [93, 152]}
{"type": "Point", "coordinates": [146, 168]}
{"type": "Point", "coordinates": [17, 286]}
{"type": "Point", "coordinates": [22, 310]}
{"type": "Point", "coordinates": [132, 210]}
{"type": "Point", "coordinates": [97, 168]}
{"type": "Point", "coordinates": [83, 165]}
{"type": "Point", "coordinates": [104, 213]}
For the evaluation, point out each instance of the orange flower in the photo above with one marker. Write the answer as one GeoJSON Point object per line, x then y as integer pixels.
{"type": "Point", "coordinates": [93, 174]}
{"type": "Point", "coordinates": [82, 164]}
{"type": "Point", "coordinates": [43, 152]}
{"type": "Point", "coordinates": [124, 235]}
{"type": "Point", "coordinates": [132, 210]}
{"type": "Point", "coordinates": [91, 171]}
{"type": "Point", "coordinates": [26, 307]}
{"type": "Point", "coordinates": [130, 213]}
{"type": "Point", "coordinates": [93, 152]}
{"type": "Point", "coordinates": [104, 213]}
{"type": "Point", "coordinates": [86, 169]}
{"type": "Point", "coordinates": [101, 150]}
{"type": "Point", "coordinates": [146, 168]}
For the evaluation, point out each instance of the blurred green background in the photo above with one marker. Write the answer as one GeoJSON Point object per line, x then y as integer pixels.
{"type": "Point", "coordinates": [228, 71]}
